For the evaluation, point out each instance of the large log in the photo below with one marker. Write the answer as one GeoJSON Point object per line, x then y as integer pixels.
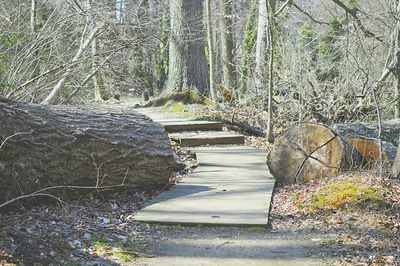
{"type": "Point", "coordinates": [390, 130]}
{"type": "Point", "coordinates": [370, 151]}
{"type": "Point", "coordinates": [309, 151]}
{"type": "Point", "coordinates": [45, 146]}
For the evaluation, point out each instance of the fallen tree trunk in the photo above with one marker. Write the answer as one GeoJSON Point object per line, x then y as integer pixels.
{"type": "Point", "coordinates": [370, 151]}
{"type": "Point", "coordinates": [390, 130]}
{"type": "Point", "coordinates": [46, 146]}
{"type": "Point", "coordinates": [309, 151]}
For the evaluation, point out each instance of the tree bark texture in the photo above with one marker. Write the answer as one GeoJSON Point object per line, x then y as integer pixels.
{"type": "Point", "coordinates": [187, 61]}
{"type": "Point", "coordinates": [227, 45]}
{"type": "Point", "coordinates": [45, 146]}
{"type": "Point", "coordinates": [390, 130]}
{"type": "Point", "coordinates": [260, 70]}
{"type": "Point", "coordinates": [211, 52]}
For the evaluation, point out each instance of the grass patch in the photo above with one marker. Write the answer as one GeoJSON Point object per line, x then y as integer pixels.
{"type": "Point", "coordinates": [125, 250]}
{"type": "Point", "coordinates": [343, 193]}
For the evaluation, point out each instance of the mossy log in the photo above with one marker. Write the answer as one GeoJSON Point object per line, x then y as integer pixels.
{"type": "Point", "coordinates": [46, 146]}
{"type": "Point", "coordinates": [309, 151]}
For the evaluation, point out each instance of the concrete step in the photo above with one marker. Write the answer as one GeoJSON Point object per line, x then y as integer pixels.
{"type": "Point", "coordinates": [192, 139]}
{"type": "Point", "coordinates": [187, 125]}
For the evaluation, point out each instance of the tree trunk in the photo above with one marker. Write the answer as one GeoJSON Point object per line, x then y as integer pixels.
{"type": "Point", "coordinates": [390, 130]}
{"type": "Point", "coordinates": [370, 151]}
{"type": "Point", "coordinates": [396, 164]}
{"type": "Point", "coordinates": [396, 55]}
{"type": "Point", "coordinates": [211, 52]}
{"type": "Point", "coordinates": [187, 61]}
{"type": "Point", "coordinates": [52, 98]}
{"type": "Point", "coordinates": [310, 151]}
{"type": "Point", "coordinates": [42, 146]}
{"type": "Point", "coordinates": [271, 56]}
{"type": "Point", "coordinates": [227, 45]}
{"type": "Point", "coordinates": [249, 40]}
{"type": "Point", "coordinates": [35, 59]}
{"type": "Point", "coordinates": [99, 88]}
{"type": "Point", "coordinates": [261, 46]}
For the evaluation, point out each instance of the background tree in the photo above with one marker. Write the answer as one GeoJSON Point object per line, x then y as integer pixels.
{"type": "Point", "coordinates": [227, 46]}
{"type": "Point", "coordinates": [187, 62]}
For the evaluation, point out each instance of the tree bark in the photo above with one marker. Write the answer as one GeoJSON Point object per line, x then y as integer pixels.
{"type": "Point", "coordinates": [271, 55]}
{"type": "Point", "coordinates": [396, 57]}
{"type": "Point", "coordinates": [211, 52]}
{"type": "Point", "coordinates": [228, 69]}
{"type": "Point", "coordinates": [390, 130]}
{"type": "Point", "coordinates": [261, 46]}
{"type": "Point", "coordinates": [187, 61]}
{"type": "Point", "coordinates": [44, 146]}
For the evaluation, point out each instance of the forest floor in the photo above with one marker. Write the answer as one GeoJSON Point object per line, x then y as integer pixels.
{"type": "Point", "coordinates": [353, 219]}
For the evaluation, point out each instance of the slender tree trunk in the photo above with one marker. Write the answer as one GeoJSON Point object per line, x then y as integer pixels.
{"type": "Point", "coordinates": [227, 45]}
{"type": "Point", "coordinates": [260, 46]}
{"type": "Point", "coordinates": [33, 18]}
{"type": "Point", "coordinates": [396, 51]}
{"type": "Point", "coordinates": [270, 37]}
{"type": "Point", "coordinates": [99, 88]}
{"type": "Point", "coordinates": [187, 61]}
{"type": "Point", "coordinates": [120, 10]}
{"type": "Point", "coordinates": [248, 44]}
{"type": "Point", "coordinates": [211, 52]}
{"type": "Point", "coordinates": [52, 98]}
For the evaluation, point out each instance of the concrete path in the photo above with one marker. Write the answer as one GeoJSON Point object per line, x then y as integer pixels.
{"type": "Point", "coordinates": [231, 186]}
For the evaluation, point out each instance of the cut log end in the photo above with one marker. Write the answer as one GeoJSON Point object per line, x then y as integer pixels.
{"type": "Point", "coordinates": [309, 151]}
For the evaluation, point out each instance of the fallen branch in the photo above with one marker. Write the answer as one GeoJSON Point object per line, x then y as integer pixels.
{"type": "Point", "coordinates": [40, 193]}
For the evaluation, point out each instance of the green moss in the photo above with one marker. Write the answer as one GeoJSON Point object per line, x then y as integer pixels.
{"type": "Point", "coordinates": [343, 193]}
{"type": "Point", "coordinates": [125, 251]}
{"type": "Point", "coordinates": [207, 102]}
{"type": "Point", "coordinates": [71, 263]}
{"type": "Point", "coordinates": [176, 107]}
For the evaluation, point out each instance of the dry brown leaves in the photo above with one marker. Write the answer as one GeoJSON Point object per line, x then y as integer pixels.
{"type": "Point", "coordinates": [367, 234]}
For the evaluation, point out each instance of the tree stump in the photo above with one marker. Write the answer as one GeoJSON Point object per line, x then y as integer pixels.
{"type": "Point", "coordinates": [309, 151]}
{"type": "Point", "coordinates": [46, 146]}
